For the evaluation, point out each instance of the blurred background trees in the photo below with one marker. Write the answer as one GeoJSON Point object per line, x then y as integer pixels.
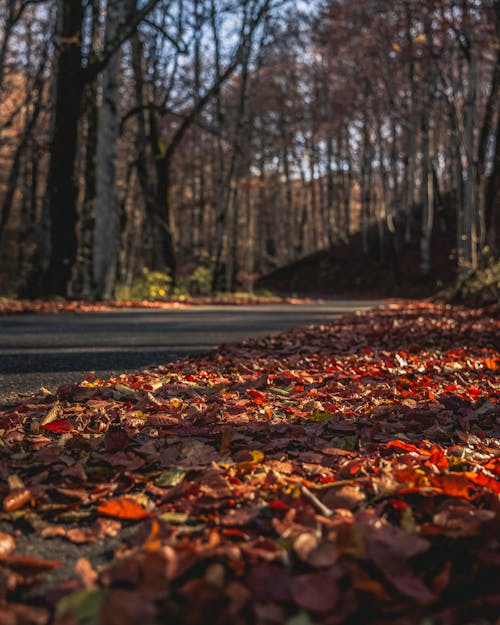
{"type": "Point", "coordinates": [215, 141]}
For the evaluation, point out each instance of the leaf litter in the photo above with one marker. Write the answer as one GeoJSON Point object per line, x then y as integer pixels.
{"type": "Point", "coordinates": [343, 473]}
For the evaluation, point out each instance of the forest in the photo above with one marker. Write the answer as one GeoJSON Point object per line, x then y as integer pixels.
{"type": "Point", "coordinates": [210, 142]}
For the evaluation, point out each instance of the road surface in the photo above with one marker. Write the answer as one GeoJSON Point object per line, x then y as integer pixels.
{"type": "Point", "coordinates": [53, 349]}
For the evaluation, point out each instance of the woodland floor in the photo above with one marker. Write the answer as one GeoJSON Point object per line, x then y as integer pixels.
{"type": "Point", "coordinates": [346, 473]}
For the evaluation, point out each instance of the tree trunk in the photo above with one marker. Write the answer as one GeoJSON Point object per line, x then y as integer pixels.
{"type": "Point", "coordinates": [141, 144]}
{"type": "Point", "coordinates": [348, 177]}
{"type": "Point", "coordinates": [106, 231]}
{"type": "Point", "coordinates": [162, 222]}
{"type": "Point", "coordinates": [62, 183]}
{"type": "Point", "coordinates": [383, 213]}
{"type": "Point", "coordinates": [487, 130]}
{"type": "Point", "coordinates": [411, 131]}
{"type": "Point", "coordinates": [470, 195]}
{"type": "Point", "coordinates": [427, 192]}
{"type": "Point", "coordinates": [82, 280]}
{"type": "Point", "coordinates": [366, 166]}
{"type": "Point", "coordinates": [427, 188]}
{"type": "Point", "coordinates": [330, 189]}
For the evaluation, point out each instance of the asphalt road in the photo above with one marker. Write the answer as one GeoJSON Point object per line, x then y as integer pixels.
{"type": "Point", "coordinates": [53, 349]}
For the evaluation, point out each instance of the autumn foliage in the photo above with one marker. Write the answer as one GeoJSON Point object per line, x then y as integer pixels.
{"type": "Point", "coordinates": [346, 473]}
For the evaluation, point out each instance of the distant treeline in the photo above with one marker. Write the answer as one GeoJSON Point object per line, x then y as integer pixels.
{"type": "Point", "coordinates": [215, 140]}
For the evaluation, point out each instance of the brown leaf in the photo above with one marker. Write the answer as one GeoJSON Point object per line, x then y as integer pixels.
{"type": "Point", "coordinates": [269, 582]}
{"type": "Point", "coordinates": [80, 536]}
{"type": "Point", "coordinates": [347, 497]}
{"type": "Point", "coordinates": [107, 527]}
{"type": "Point", "coordinates": [17, 499]}
{"type": "Point", "coordinates": [304, 544]}
{"type": "Point", "coordinates": [53, 531]}
{"type": "Point", "coordinates": [26, 614]}
{"type": "Point", "coordinates": [315, 592]}
{"type": "Point", "coordinates": [85, 573]}
{"type": "Point", "coordinates": [52, 415]}
{"type": "Point", "coordinates": [320, 554]}
{"type": "Point", "coordinates": [398, 572]}
{"type": "Point", "coordinates": [116, 438]}
{"type": "Point", "coordinates": [7, 544]}
{"type": "Point", "coordinates": [30, 566]}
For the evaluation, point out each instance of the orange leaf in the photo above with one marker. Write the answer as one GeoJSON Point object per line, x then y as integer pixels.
{"type": "Point", "coordinates": [492, 363]}
{"type": "Point", "coordinates": [438, 458]}
{"type": "Point", "coordinates": [452, 485]}
{"type": "Point", "coordinates": [493, 465]}
{"type": "Point", "coordinates": [124, 508]}
{"type": "Point", "coordinates": [406, 447]}
{"type": "Point", "coordinates": [483, 480]}
{"type": "Point", "coordinates": [17, 499]}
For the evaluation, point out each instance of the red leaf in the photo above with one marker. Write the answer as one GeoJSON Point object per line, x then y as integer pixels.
{"type": "Point", "coordinates": [258, 398]}
{"type": "Point", "coordinates": [58, 427]}
{"type": "Point", "coordinates": [327, 480]}
{"type": "Point", "coordinates": [124, 508]}
{"type": "Point", "coordinates": [234, 533]}
{"type": "Point", "coordinates": [256, 394]}
{"type": "Point", "coordinates": [278, 505]}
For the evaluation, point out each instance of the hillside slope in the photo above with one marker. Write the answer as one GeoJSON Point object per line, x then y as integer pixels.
{"type": "Point", "coordinates": [346, 270]}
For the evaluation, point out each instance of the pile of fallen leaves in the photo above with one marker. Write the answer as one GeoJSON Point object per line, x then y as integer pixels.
{"type": "Point", "coordinates": [346, 473]}
{"type": "Point", "coordinates": [10, 306]}
{"type": "Point", "coordinates": [14, 306]}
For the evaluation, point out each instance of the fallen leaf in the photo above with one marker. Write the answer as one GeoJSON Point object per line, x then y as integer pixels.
{"type": "Point", "coordinates": [84, 603]}
{"type": "Point", "coordinates": [17, 499]}
{"type": "Point", "coordinates": [123, 508]}
{"type": "Point", "coordinates": [7, 544]}
{"type": "Point", "coordinates": [58, 427]}
{"type": "Point", "coordinates": [315, 592]}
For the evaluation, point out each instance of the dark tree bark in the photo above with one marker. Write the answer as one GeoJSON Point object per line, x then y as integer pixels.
{"type": "Point", "coordinates": [83, 271]}
{"type": "Point", "coordinates": [62, 186]}
{"type": "Point", "coordinates": [162, 217]}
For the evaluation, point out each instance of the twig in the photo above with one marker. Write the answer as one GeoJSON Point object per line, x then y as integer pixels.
{"type": "Point", "coordinates": [325, 511]}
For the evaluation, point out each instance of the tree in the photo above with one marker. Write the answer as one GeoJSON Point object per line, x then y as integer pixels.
{"type": "Point", "coordinates": [70, 76]}
{"type": "Point", "coordinates": [105, 251]}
